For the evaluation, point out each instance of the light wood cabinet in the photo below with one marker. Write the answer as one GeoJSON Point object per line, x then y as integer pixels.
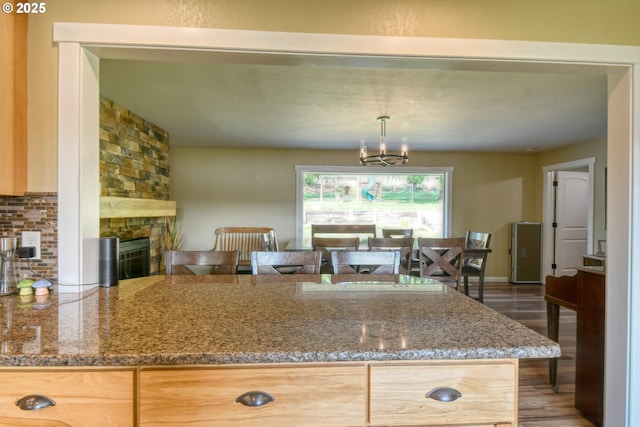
{"type": "Point", "coordinates": [13, 104]}
{"type": "Point", "coordinates": [470, 393]}
{"type": "Point", "coordinates": [308, 394]}
{"type": "Point", "coordinates": [82, 397]}
{"type": "Point", "coordinates": [368, 394]}
{"type": "Point", "coordinates": [302, 396]}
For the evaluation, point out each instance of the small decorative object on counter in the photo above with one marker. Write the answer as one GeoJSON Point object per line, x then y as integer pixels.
{"type": "Point", "coordinates": [25, 287]}
{"type": "Point", "coordinates": [42, 302]}
{"type": "Point", "coordinates": [26, 301]}
{"type": "Point", "coordinates": [42, 286]}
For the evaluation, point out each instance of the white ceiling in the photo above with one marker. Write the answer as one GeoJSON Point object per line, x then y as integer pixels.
{"type": "Point", "coordinates": [329, 102]}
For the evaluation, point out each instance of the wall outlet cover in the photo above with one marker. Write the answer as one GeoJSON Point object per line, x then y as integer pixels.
{"type": "Point", "coordinates": [32, 238]}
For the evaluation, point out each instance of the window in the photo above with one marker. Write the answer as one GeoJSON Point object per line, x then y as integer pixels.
{"type": "Point", "coordinates": [417, 198]}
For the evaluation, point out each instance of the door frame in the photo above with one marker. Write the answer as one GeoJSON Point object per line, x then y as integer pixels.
{"type": "Point", "coordinates": [548, 203]}
{"type": "Point", "coordinates": [80, 45]}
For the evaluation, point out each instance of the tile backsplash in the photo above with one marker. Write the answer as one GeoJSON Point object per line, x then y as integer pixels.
{"type": "Point", "coordinates": [33, 212]}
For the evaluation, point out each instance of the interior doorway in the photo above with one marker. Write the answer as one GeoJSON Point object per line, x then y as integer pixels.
{"type": "Point", "coordinates": [570, 223]}
{"type": "Point", "coordinates": [568, 215]}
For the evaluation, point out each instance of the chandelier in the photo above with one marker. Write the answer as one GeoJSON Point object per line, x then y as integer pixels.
{"type": "Point", "coordinates": [383, 158]}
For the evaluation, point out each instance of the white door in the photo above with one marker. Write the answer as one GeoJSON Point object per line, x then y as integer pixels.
{"type": "Point", "coordinates": [572, 195]}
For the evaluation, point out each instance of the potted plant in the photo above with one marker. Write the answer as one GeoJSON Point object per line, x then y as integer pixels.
{"type": "Point", "coordinates": [171, 239]}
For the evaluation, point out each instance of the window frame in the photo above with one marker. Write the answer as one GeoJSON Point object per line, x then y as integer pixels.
{"type": "Point", "coordinates": [447, 171]}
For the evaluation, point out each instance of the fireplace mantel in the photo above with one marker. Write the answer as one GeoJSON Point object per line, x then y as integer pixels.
{"type": "Point", "coordinates": [124, 207]}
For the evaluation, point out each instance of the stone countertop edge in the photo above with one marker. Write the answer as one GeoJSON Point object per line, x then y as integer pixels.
{"type": "Point", "coordinates": [521, 342]}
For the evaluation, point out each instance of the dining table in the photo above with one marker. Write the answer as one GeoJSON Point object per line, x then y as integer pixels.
{"type": "Point", "coordinates": [304, 244]}
{"type": "Point", "coordinates": [470, 252]}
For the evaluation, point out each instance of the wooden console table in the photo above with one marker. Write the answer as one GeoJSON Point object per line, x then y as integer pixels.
{"type": "Point", "coordinates": [585, 294]}
{"type": "Point", "coordinates": [590, 260]}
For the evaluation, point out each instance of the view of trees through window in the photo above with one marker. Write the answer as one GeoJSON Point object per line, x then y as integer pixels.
{"type": "Point", "coordinates": [389, 200]}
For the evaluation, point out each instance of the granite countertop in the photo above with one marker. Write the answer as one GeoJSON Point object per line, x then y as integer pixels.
{"type": "Point", "coordinates": [181, 320]}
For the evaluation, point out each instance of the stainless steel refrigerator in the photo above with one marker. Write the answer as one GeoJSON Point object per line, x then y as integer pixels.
{"type": "Point", "coordinates": [526, 252]}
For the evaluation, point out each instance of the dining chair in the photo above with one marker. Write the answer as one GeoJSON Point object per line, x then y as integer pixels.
{"type": "Point", "coordinates": [288, 262]}
{"type": "Point", "coordinates": [370, 262]}
{"type": "Point", "coordinates": [441, 259]}
{"type": "Point", "coordinates": [397, 232]}
{"type": "Point", "coordinates": [244, 240]}
{"type": "Point", "coordinates": [270, 242]}
{"type": "Point", "coordinates": [201, 262]}
{"type": "Point", "coordinates": [404, 245]}
{"type": "Point", "coordinates": [474, 262]}
{"type": "Point", "coordinates": [326, 245]}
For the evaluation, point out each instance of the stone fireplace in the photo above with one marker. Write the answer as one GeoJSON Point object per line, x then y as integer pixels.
{"type": "Point", "coordinates": [134, 179]}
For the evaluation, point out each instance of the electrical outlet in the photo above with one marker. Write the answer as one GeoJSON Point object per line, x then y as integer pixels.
{"type": "Point", "coordinates": [32, 238]}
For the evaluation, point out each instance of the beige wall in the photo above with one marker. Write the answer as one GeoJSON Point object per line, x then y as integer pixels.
{"type": "Point", "coordinates": [611, 22]}
{"type": "Point", "coordinates": [233, 187]}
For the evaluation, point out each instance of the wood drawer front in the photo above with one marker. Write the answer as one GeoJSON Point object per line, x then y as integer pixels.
{"type": "Point", "coordinates": [489, 393]}
{"type": "Point", "coordinates": [106, 398]}
{"type": "Point", "coordinates": [304, 396]}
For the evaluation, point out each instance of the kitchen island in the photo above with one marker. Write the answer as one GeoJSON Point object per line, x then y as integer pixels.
{"type": "Point", "coordinates": [293, 350]}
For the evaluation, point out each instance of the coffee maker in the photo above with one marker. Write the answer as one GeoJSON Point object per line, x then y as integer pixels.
{"type": "Point", "coordinates": [8, 275]}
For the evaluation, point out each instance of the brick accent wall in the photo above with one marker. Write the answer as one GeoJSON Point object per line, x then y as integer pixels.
{"type": "Point", "coordinates": [134, 163]}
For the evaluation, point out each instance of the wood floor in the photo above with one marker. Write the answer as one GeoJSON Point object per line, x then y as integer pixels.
{"type": "Point", "coordinates": [539, 406]}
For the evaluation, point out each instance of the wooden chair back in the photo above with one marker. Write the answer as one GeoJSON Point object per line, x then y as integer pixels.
{"type": "Point", "coordinates": [270, 242]}
{"type": "Point", "coordinates": [404, 245]}
{"type": "Point", "coordinates": [476, 240]}
{"type": "Point", "coordinates": [220, 262]}
{"type": "Point", "coordinates": [475, 264]}
{"type": "Point", "coordinates": [397, 232]}
{"type": "Point", "coordinates": [351, 230]}
{"type": "Point", "coordinates": [326, 245]}
{"type": "Point", "coordinates": [288, 262]}
{"type": "Point", "coordinates": [358, 262]}
{"type": "Point", "coordinates": [441, 259]}
{"type": "Point", "coordinates": [244, 240]}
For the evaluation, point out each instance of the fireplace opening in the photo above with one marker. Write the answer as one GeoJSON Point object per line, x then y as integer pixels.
{"type": "Point", "coordinates": [134, 258]}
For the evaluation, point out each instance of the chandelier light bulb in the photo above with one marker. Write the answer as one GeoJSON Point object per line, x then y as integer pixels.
{"type": "Point", "coordinates": [363, 150]}
{"type": "Point", "coordinates": [404, 148]}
